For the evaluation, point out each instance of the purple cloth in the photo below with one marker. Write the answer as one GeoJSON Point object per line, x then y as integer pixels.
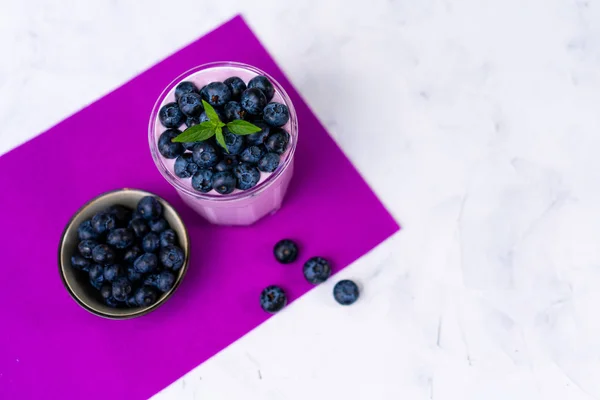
{"type": "Point", "coordinates": [51, 348]}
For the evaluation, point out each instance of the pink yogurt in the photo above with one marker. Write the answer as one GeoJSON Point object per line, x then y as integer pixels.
{"type": "Point", "coordinates": [242, 207]}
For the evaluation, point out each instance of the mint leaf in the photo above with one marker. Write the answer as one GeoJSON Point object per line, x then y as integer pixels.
{"type": "Point", "coordinates": [241, 127]}
{"type": "Point", "coordinates": [221, 139]}
{"type": "Point", "coordinates": [197, 133]}
{"type": "Point", "coordinates": [210, 112]}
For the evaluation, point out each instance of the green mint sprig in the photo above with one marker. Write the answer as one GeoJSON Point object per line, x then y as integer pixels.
{"type": "Point", "coordinates": [214, 127]}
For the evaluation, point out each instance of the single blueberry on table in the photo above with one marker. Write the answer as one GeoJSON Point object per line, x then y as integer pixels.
{"type": "Point", "coordinates": [96, 275]}
{"type": "Point", "coordinates": [276, 114]}
{"type": "Point", "coordinates": [269, 162]}
{"type": "Point", "coordinates": [131, 254]}
{"type": "Point", "coordinates": [185, 166]}
{"type": "Point", "coordinates": [112, 272]}
{"type": "Point", "coordinates": [121, 213]}
{"type": "Point", "coordinates": [85, 231]}
{"type": "Point", "coordinates": [151, 242]}
{"type": "Point", "coordinates": [80, 263]}
{"type": "Point", "coordinates": [86, 247]}
{"type": "Point", "coordinates": [133, 275]}
{"type": "Point", "coordinates": [145, 296]}
{"type": "Point", "coordinates": [253, 101]}
{"type": "Point", "coordinates": [106, 291]}
{"type": "Point", "coordinates": [286, 251]}
{"type": "Point", "coordinates": [262, 83]}
{"type": "Point", "coordinates": [121, 288]}
{"type": "Point", "coordinates": [278, 141]}
{"type": "Point", "coordinates": [145, 263]}
{"type": "Point", "coordinates": [150, 208]}
{"type": "Point", "coordinates": [139, 226]}
{"type": "Point", "coordinates": [247, 176]}
{"type": "Point", "coordinates": [216, 94]}
{"type": "Point", "coordinates": [183, 88]}
{"type": "Point", "coordinates": [167, 238]}
{"type": "Point", "coordinates": [345, 292]}
{"type": "Point", "coordinates": [233, 110]}
{"type": "Point", "coordinates": [103, 222]}
{"type": "Point", "coordinates": [167, 147]}
{"type": "Point", "coordinates": [103, 254]}
{"type": "Point", "coordinates": [171, 116]}
{"type": "Point", "coordinates": [224, 182]}
{"type": "Point", "coordinates": [172, 257]}
{"type": "Point", "coordinates": [158, 225]}
{"type": "Point", "coordinates": [202, 180]}
{"type": "Point", "coordinates": [316, 270]}
{"type": "Point", "coordinates": [273, 299]}
{"type": "Point", "coordinates": [205, 155]}
{"type": "Point", "coordinates": [226, 164]}
{"type": "Point", "coordinates": [121, 238]}
{"type": "Point", "coordinates": [258, 138]}
{"type": "Point", "coordinates": [236, 86]}
{"type": "Point", "coordinates": [235, 143]}
{"type": "Point", "coordinates": [191, 104]}
{"type": "Point", "coordinates": [252, 154]}
{"type": "Point", "coordinates": [165, 281]}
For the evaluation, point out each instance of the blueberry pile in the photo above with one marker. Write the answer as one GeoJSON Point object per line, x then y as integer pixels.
{"type": "Point", "coordinates": [239, 164]}
{"type": "Point", "coordinates": [130, 256]}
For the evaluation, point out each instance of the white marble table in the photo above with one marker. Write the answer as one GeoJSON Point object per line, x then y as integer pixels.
{"type": "Point", "coordinates": [477, 123]}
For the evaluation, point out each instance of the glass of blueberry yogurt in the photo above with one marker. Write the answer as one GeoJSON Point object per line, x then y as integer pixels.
{"type": "Point", "coordinates": [224, 135]}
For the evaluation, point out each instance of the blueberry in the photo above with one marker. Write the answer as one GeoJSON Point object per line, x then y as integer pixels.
{"type": "Point", "coordinates": [158, 225]}
{"type": "Point", "coordinates": [262, 83]}
{"type": "Point", "coordinates": [258, 138]}
{"type": "Point", "coordinates": [151, 280]}
{"type": "Point", "coordinates": [224, 182]}
{"type": "Point", "coordinates": [233, 110]}
{"type": "Point", "coordinates": [103, 222]}
{"type": "Point", "coordinates": [131, 254]}
{"type": "Point", "coordinates": [236, 86]}
{"type": "Point", "coordinates": [121, 288]}
{"type": "Point", "coordinates": [130, 302]}
{"type": "Point", "coordinates": [167, 147]}
{"type": "Point", "coordinates": [165, 281]}
{"type": "Point", "coordinates": [286, 251]}
{"type": "Point", "coordinates": [202, 180]}
{"type": "Point", "coordinates": [277, 141]}
{"type": "Point", "coordinates": [133, 275]}
{"type": "Point", "coordinates": [121, 213]}
{"type": "Point", "coordinates": [146, 263]}
{"type": "Point", "coordinates": [226, 164]}
{"type": "Point", "coordinates": [316, 270]}
{"type": "Point", "coordinates": [190, 145]}
{"type": "Point", "coordinates": [273, 299]}
{"type": "Point", "coordinates": [203, 117]}
{"type": "Point", "coordinates": [205, 155]}
{"type": "Point", "coordinates": [269, 162]}
{"type": "Point", "coordinates": [235, 143]}
{"type": "Point", "coordinates": [253, 101]}
{"type": "Point", "coordinates": [86, 247]}
{"type": "Point", "coordinates": [112, 302]}
{"type": "Point", "coordinates": [276, 114]}
{"type": "Point", "coordinates": [345, 292]}
{"type": "Point", "coordinates": [172, 257]}
{"type": "Point", "coordinates": [185, 166]}
{"type": "Point", "coordinates": [151, 242]}
{"type": "Point", "coordinates": [121, 238]}
{"type": "Point", "coordinates": [167, 238]}
{"type": "Point", "coordinates": [106, 291]}
{"type": "Point", "coordinates": [103, 254]}
{"type": "Point", "coordinates": [112, 272]}
{"type": "Point", "coordinates": [189, 122]}
{"type": "Point", "coordinates": [150, 208]}
{"type": "Point", "coordinates": [247, 176]}
{"type": "Point", "coordinates": [85, 231]}
{"type": "Point", "coordinates": [136, 214]}
{"type": "Point", "coordinates": [171, 116]}
{"type": "Point", "coordinates": [96, 274]}
{"type": "Point", "coordinates": [191, 104]}
{"type": "Point", "coordinates": [139, 226]}
{"type": "Point", "coordinates": [145, 296]}
{"type": "Point", "coordinates": [252, 154]}
{"type": "Point", "coordinates": [183, 88]}
{"type": "Point", "coordinates": [79, 262]}
{"type": "Point", "coordinates": [216, 94]}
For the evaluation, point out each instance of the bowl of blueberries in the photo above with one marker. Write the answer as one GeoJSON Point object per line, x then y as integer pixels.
{"type": "Point", "coordinates": [123, 254]}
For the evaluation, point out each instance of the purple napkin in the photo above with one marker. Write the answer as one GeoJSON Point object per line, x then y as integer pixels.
{"type": "Point", "coordinates": [52, 348]}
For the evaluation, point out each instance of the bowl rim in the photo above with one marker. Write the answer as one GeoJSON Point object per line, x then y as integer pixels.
{"type": "Point", "coordinates": [135, 312]}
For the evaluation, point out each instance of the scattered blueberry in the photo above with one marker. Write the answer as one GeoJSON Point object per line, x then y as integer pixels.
{"type": "Point", "coordinates": [167, 238]}
{"type": "Point", "coordinates": [150, 208]}
{"type": "Point", "coordinates": [121, 238]}
{"type": "Point", "coordinates": [273, 299]}
{"type": "Point", "coordinates": [103, 254]}
{"type": "Point", "coordinates": [202, 180]}
{"type": "Point", "coordinates": [247, 176]}
{"type": "Point", "coordinates": [191, 104]}
{"type": "Point", "coordinates": [96, 274]}
{"type": "Point", "coordinates": [235, 143]}
{"type": "Point", "coordinates": [121, 288]}
{"type": "Point", "coordinates": [236, 86]}
{"type": "Point", "coordinates": [131, 254]}
{"type": "Point", "coordinates": [205, 155]}
{"type": "Point", "coordinates": [151, 242]}
{"type": "Point", "coordinates": [172, 257]}
{"type": "Point", "coordinates": [79, 262]}
{"type": "Point", "coordinates": [139, 226]}
{"type": "Point", "coordinates": [103, 222]}
{"type": "Point", "coordinates": [276, 114]}
{"type": "Point", "coordinates": [224, 182]}
{"type": "Point", "coordinates": [252, 154]}
{"type": "Point", "coordinates": [277, 141]}
{"type": "Point", "coordinates": [262, 83]}
{"type": "Point", "coordinates": [316, 270]}
{"type": "Point", "coordinates": [86, 247]}
{"type": "Point", "coordinates": [145, 263]}
{"type": "Point", "coordinates": [233, 110]}
{"type": "Point", "coordinates": [85, 231]}
{"type": "Point", "coordinates": [171, 116]}
{"type": "Point", "coordinates": [286, 251]}
{"type": "Point", "coordinates": [185, 166]}
{"type": "Point", "coordinates": [145, 296]}
{"type": "Point", "coordinates": [113, 271]}
{"type": "Point", "coordinates": [258, 138]}
{"type": "Point", "coordinates": [183, 88]}
{"type": "Point", "coordinates": [269, 162]}
{"type": "Point", "coordinates": [253, 101]}
{"type": "Point", "coordinates": [167, 147]}
{"type": "Point", "coordinates": [158, 225]}
{"type": "Point", "coordinates": [345, 292]}
{"type": "Point", "coordinates": [226, 164]}
{"type": "Point", "coordinates": [216, 94]}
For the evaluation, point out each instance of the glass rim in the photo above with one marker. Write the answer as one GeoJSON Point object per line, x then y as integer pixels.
{"type": "Point", "coordinates": [175, 181]}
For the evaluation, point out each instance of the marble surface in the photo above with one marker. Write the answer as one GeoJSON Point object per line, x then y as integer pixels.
{"type": "Point", "coordinates": [475, 121]}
